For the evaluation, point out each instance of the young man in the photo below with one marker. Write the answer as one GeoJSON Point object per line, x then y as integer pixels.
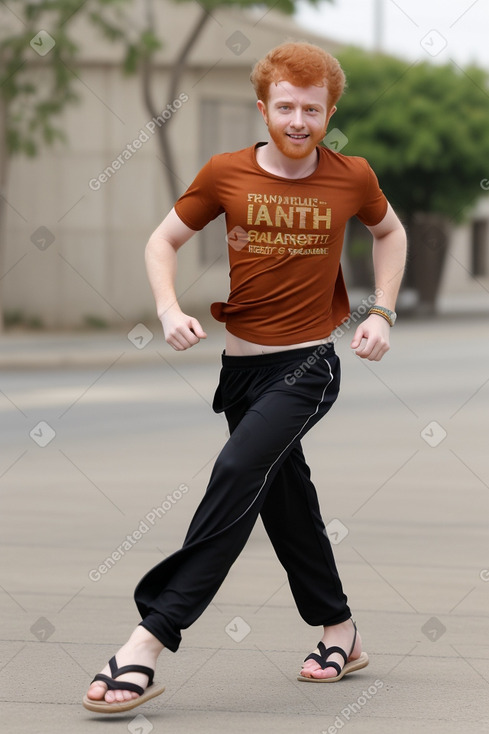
{"type": "Point", "coordinates": [286, 203]}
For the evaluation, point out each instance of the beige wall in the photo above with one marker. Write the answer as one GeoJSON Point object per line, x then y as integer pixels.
{"type": "Point", "coordinates": [94, 266]}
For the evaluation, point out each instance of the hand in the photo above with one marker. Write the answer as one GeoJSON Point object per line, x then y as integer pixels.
{"type": "Point", "coordinates": [181, 331]}
{"type": "Point", "coordinates": [371, 339]}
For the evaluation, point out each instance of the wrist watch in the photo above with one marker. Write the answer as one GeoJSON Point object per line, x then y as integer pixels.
{"type": "Point", "coordinates": [386, 313]}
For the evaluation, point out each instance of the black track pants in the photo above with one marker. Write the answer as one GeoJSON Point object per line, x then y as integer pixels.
{"type": "Point", "coordinates": [270, 402]}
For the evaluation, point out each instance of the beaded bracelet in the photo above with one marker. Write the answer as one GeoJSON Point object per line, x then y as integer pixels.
{"type": "Point", "coordinates": [386, 313]}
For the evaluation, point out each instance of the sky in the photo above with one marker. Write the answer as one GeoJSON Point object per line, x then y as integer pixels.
{"type": "Point", "coordinates": [433, 30]}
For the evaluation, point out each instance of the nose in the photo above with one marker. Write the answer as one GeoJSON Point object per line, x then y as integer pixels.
{"type": "Point", "coordinates": [297, 121]}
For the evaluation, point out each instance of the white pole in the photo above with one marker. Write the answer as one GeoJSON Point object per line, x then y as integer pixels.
{"type": "Point", "coordinates": [378, 25]}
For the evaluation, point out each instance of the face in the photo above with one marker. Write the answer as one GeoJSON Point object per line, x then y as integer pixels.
{"type": "Point", "coordinates": [296, 117]}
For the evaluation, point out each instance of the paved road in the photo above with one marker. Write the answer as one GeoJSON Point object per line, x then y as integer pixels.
{"type": "Point", "coordinates": [121, 447]}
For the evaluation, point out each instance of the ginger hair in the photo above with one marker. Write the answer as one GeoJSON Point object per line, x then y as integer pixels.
{"type": "Point", "coordinates": [301, 64]}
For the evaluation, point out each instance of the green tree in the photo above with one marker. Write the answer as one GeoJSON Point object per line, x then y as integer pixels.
{"type": "Point", "coordinates": [424, 128]}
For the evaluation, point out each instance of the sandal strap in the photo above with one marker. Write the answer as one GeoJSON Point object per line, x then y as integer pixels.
{"type": "Point", "coordinates": [323, 663]}
{"type": "Point", "coordinates": [317, 659]}
{"type": "Point", "coordinates": [114, 685]}
{"type": "Point", "coordinates": [354, 636]}
{"type": "Point", "coordinates": [332, 664]}
{"type": "Point", "coordinates": [116, 672]}
{"type": "Point", "coordinates": [325, 652]}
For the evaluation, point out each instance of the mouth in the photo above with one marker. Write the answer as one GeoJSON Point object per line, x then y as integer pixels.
{"type": "Point", "coordinates": [293, 136]}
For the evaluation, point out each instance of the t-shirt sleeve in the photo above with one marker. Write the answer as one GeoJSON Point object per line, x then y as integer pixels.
{"type": "Point", "coordinates": [200, 204]}
{"type": "Point", "coordinates": [374, 206]}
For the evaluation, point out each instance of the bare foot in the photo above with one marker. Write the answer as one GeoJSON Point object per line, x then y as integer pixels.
{"type": "Point", "coordinates": [338, 635]}
{"type": "Point", "coordinates": [142, 648]}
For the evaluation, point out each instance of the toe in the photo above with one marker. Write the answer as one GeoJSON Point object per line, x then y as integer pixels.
{"type": "Point", "coordinates": [97, 691]}
{"type": "Point", "coordinates": [309, 669]}
{"type": "Point", "coordinates": [318, 673]}
{"type": "Point", "coordinates": [326, 673]}
{"type": "Point", "coordinates": [120, 696]}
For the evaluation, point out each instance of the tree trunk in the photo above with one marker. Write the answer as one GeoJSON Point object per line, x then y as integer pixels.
{"type": "Point", "coordinates": [162, 131]}
{"type": "Point", "coordinates": [4, 166]}
{"type": "Point", "coordinates": [428, 247]}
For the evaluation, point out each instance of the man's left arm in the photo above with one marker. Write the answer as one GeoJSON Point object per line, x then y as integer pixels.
{"type": "Point", "coordinates": [372, 337]}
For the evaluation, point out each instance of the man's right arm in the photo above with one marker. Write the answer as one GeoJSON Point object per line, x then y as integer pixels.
{"type": "Point", "coordinates": [181, 331]}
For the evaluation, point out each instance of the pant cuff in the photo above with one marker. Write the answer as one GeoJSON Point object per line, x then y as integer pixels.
{"type": "Point", "coordinates": [154, 624]}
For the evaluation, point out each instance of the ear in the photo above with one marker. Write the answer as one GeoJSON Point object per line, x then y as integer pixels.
{"type": "Point", "coordinates": [263, 109]}
{"type": "Point", "coordinates": [329, 116]}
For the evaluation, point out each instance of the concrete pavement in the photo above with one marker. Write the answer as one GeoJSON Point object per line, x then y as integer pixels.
{"type": "Point", "coordinates": [402, 473]}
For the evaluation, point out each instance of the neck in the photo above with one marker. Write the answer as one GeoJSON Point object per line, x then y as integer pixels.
{"type": "Point", "coordinates": [274, 161]}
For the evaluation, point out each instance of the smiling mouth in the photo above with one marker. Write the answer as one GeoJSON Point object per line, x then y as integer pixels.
{"type": "Point", "coordinates": [303, 136]}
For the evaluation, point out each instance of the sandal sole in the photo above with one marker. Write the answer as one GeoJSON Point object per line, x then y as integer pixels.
{"type": "Point", "coordinates": [350, 667]}
{"type": "Point", "coordinates": [102, 707]}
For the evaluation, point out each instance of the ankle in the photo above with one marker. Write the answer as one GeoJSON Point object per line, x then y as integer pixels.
{"type": "Point", "coordinates": [346, 625]}
{"type": "Point", "coordinates": [141, 637]}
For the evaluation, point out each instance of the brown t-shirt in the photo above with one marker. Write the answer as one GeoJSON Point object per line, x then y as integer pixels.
{"type": "Point", "coordinates": [285, 238]}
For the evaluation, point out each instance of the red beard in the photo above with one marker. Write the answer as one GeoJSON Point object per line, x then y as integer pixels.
{"type": "Point", "coordinates": [291, 149]}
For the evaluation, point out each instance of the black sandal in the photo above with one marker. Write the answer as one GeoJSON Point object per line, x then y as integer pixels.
{"type": "Point", "coordinates": [322, 660]}
{"type": "Point", "coordinates": [103, 706]}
